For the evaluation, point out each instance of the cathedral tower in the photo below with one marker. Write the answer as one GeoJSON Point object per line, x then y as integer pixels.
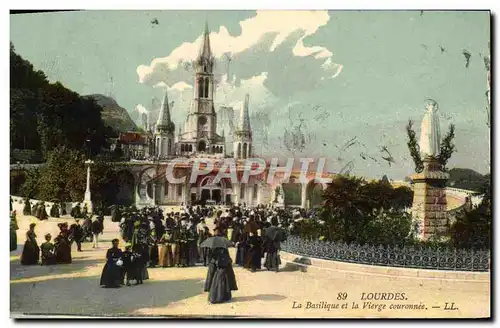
{"type": "Point", "coordinates": [242, 145]}
{"type": "Point", "coordinates": [200, 129]}
{"type": "Point", "coordinates": [165, 130]}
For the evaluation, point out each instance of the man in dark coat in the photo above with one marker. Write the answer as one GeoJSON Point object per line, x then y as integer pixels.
{"type": "Point", "coordinates": [76, 234]}
{"type": "Point", "coordinates": [87, 228]}
{"type": "Point", "coordinates": [96, 231]}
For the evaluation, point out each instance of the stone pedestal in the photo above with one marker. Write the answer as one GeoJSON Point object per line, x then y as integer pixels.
{"type": "Point", "coordinates": [429, 200]}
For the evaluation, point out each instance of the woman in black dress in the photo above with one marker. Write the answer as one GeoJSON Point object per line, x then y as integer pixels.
{"type": "Point", "coordinates": [31, 251]}
{"type": "Point", "coordinates": [63, 245]}
{"type": "Point", "coordinates": [112, 276]}
{"type": "Point", "coordinates": [220, 276]}
{"type": "Point", "coordinates": [254, 254]}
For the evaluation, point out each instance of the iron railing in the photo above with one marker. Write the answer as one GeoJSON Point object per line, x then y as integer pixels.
{"type": "Point", "coordinates": [407, 257]}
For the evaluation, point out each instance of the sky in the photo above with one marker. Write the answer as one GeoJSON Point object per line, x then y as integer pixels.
{"type": "Point", "coordinates": [339, 77]}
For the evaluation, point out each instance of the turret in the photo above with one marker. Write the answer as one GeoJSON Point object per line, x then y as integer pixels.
{"type": "Point", "coordinates": [165, 130]}
{"type": "Point", "coordinates": [242, 145]}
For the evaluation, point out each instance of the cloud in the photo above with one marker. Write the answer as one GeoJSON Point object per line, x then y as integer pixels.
{"type": "Point", "coordinates": [272, 41]}
{"type": "Point", "coordinates": [140, 109]}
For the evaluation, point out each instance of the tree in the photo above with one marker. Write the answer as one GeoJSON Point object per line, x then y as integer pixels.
{"type": "Point", "coordinates": [414, 148]}
{"type": "Point", "coordinates": [472, 229]}
{"type": "Point", "coordinates": [31, 185]}
{"type": "Point", "coordinates": [447, 148]}
{"type": "Point", "coordinates": [387, 227]}
{"type": "Point", "coordinates": [47, 115]}
{"type": "Point", "coordinates": [345, 208]}
{"type": "Point", "coordinates": [63, 176]}
{"type": "Point", "coordinates": [357, 211]}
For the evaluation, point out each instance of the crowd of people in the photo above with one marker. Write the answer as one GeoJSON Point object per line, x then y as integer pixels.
{"type": "Point", "coordinates": [174, 239]}
{"type": "Point", "coordinates": [59, 251]}
{"type": "Point", "coordinates": [177, 239]}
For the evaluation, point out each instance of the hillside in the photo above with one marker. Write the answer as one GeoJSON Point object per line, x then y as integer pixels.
{"type": "Point", "coordinates": [114, 115]}
{"type": "Point", "coordinates": [466, 179]}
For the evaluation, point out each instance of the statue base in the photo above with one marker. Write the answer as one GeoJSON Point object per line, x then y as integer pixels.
{"type": "Point", "coordinates": [87, 201]}
{"type": "Point", "coordinates": [429, 208]}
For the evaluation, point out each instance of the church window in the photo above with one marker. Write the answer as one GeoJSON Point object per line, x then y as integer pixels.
{"type": "Point", "coordinates": [202, 145]}
{"type": "Point", "coordinates": [200, 87]}
{"type": "Point", "coordinates": [238, 152]}
{"type": "Point", "coordinates": [255, 191]}
{"type": "Point", "coordinates": [179, 190]}
{"type": "Point", "coordinates": [202, 120]}
{"type": "Point", "coordinates": [245, 150]}
{"type": "Point", "coordinates": [206, 87]}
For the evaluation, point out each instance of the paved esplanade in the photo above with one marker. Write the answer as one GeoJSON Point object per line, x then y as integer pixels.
{"type": "Point", "coordinates": [74, 289]}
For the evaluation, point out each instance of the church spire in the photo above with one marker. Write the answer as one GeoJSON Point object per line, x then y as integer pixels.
{"type": "Point", "coordinates": [206, 51]}
{"type": "Point", "coordinates": [164, 123]}
{"type": "Point", "coordinates": [244, 116]}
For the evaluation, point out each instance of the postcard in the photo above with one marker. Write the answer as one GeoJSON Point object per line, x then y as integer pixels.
{"type": "Point", "coordinates": [250, 164]}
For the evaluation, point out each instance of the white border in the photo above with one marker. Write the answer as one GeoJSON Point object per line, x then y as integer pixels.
{"type": "Point", "coordinates": [185, 4]}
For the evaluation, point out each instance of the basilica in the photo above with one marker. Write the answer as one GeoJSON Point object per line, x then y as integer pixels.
{"type": "Point", "coordinates": [199, 136]}
{"type": "Point", "coordinates": [199, 139]}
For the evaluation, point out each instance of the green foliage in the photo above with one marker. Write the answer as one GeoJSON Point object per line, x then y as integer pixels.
{"type": "Point", "coordinates": [103, 180]}
{"type": "Point", "coordinates": [447, 148]}
{"type": "Point", "coordinates": [277, 193]}
{"type": "Point", "coordinates": [30, 187]}
{"type": "Point", "coordinates": [47, 115]}
{"type": "Point", "coordinates": [472, 229]}
{"type": "Point", "coordinates": [365, 212]}
{"type": "Point", "coordinates": [292, 192]}
{"type": "Point", "coordinates": [308, 229]}
{"type": "Point", "coordinates": [63, 176]}
{"type": "Point", "coordinates": [316, 196]}
{"type": "Point", "coordinates": [17, 179]}
{"type": "Point", "coordinates": [414, 148]}
{"type": "Point", "coordinates": [387, 227]}
{"type": "Point", "coordinates": [467, 179]}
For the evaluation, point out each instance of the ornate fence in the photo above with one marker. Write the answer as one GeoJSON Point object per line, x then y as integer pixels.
{"type": "Point", "coordinates": [406, 257]}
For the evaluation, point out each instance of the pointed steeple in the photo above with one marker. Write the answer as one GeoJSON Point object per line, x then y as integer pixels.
{"type": "Point", "coordinates": [164, 123]}
{"type": "Point", "coordinates": [244, 123]}
{"type": "Point", "coordinates": [206, 51]}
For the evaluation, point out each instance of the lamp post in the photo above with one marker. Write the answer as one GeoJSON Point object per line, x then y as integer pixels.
{"type": "Point", "coordinates": [87, 200]}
